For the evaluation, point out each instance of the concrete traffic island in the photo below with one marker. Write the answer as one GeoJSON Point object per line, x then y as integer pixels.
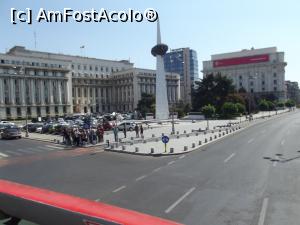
{"type": "Point", "coordinates": [185, 141]}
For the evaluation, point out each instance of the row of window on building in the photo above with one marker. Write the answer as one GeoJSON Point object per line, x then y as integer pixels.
{"type": "Point", "coordinates": [27, 63]}
{"type": "Point", "coordinates": [32, 72]}
{"type": "Point", "coordinates": [96, 68]}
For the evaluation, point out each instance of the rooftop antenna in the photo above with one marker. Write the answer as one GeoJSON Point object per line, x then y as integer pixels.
{"type": "Point", "coordinates": [34, 34]}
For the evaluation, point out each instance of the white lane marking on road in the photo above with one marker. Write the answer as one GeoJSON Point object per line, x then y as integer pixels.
{"type": "Point", "coordinates": [157, 169]}
{"type": "Point", "coordinates": [3, 155]}
{"type": "Point", "coordinates": [170, 163]}
{"type": "Point", "coordinates": [52, 146]}
{"type": "Point", "coordinates": [141, 178]}
{"type": "Point", "coordinates": [180, 200]}
{"type": "Point", "coordinates": [251, 140]}
{"type": "Point", "coordinates": [97, 200]}
{"type": "Point", "coordinates": [24, 150]}
{"type": "Point", "coordinates": [181, 157]}
{"type": "Point", "coordinates": [229, 157]}
{"type": "Point", "coordinates": [47, 148]}
{"type": "Point", "coordinates": [119, 189]}
{"type": "Point", "coordinates": [35, 149]}
{"type": "Point", "coordinates": [13, 153]}
{"type": "Point", "coordinates": [263, 212]}
{"type": "Point", "coordinates": [282, 142]}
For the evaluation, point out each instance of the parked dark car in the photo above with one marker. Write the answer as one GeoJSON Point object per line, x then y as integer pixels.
{"type": "Point", "coordinates": [32, 127]}
{"type": "Point", "coordinates": [11, 132]}
{"type": "Point", "coordinates": [3, 126]}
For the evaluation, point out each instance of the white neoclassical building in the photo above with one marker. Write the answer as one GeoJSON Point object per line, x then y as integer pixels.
{"type": "Point", "coordinates": [258, 71]}
{"type": "Point", "coordinates": [44, 84]}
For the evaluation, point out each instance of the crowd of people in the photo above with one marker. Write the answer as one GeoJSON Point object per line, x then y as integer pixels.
{"type": "Point", "coordinates": [139, 131]}
{"type": "Point", "coordinates": [80, 136]}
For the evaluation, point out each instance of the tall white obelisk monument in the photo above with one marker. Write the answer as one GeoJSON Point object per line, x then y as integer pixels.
{"type": "Point", "coordinates": [162, 106]}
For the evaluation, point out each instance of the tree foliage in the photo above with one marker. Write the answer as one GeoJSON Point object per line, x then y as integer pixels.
{"type": "Point", "coordinates": [280, 104]}
{"type": "Point", "coordinates": [290, 103]}
{"type": "Point", "coordinates": [146, 104]}
{"type": "Point", "coordinates": [271, 105]}
{"type": "Point", "coordinates": [263, 105]}
{"type": "Point", "coordinates": [212, 89]}
{"type": "Point", "coordinates": [240, 108]}
{"type": "Point", "coordinates": [229, 109]}
{"type": "Point", "coordinates": [208, 111]}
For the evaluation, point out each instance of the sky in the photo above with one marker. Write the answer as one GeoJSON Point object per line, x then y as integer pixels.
{"type": "Point", "coordinates": [209, 27]}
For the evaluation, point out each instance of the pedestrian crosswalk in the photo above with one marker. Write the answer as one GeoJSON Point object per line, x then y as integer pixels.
{"type": "Point", "coordinates": [4, 154]}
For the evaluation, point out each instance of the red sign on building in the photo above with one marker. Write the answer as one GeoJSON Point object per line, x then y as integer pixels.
{"type": "Point", "coordinates": [241, 60]}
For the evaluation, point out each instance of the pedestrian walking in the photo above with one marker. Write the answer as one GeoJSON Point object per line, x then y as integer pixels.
{"type": "Point", "coordinates": [124, 130]}
{"type": "Point", "coordinates": [116, 130]}
{"type": "Point", "coordinates": [142, 131]}
{"type": "Point", "coordinates": [136, 128]}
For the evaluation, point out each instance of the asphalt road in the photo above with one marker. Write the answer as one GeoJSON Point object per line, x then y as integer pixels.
{"type": "Point", "coordinates": [249, 178]}
{"type": "Point", "coordinates": [24, 147]}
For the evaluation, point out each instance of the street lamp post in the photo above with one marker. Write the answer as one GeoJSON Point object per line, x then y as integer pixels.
{"type": "Point", "coordinates": [250, 94]}
{"type": "Point", "coordinates": [173, 126]}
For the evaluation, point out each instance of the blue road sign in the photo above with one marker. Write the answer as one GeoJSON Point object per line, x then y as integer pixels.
{"type": "Point", "coordinates": [165, 139]}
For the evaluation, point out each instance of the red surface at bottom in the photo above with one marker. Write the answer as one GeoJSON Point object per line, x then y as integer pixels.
{"type": "Point", "coordinates": [80, 205]}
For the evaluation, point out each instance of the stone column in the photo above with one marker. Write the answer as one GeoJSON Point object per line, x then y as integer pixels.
{"type": "Point", "coordinates": [22, 91]}
{"type": "Point", "coordinates": [59, 93]}
{"type": "Point", "coordinates": [50, 92]}
{"type": "Point", "coordinates": [1, 92]}
{"type": "Point", "coordinates": [32, 91]}
{"type": "Point", "coordinates": [12, 93]}
{"type": "Point", "coordinates": [42, 92]}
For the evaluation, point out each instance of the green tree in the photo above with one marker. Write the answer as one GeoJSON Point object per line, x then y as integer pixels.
{"type": "Point", "coordinates": [212, 89]}
{"type": "Point", "coordinates": [229, 110]}
{"type": "Point", "coordinates": [236, 98]}
{"type": "Point", "coordinates": [208, 111]}
{"type": "Point", "coordinates": [146, 104]}
{"type": "Point", "coordinates": [241, 109]}
{"type": "Point", "coordinates": [271, 106]}
{"type": "Point", "coordinates": [263, 105]}
{"type": "Point", "coordinates": [280, 104]}
{"type": "Point", "coordinates": [290, 103]}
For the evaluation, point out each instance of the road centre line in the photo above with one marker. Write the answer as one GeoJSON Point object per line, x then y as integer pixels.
{"type": "Point", "coordinates": [157, 169]}
{"type": "Point", "coordinates": [119, 189]}
{"type": "Point", "coordinates": [229, 157]}
{"type": "Point", "coordinates": [282, 142]}
{"type": "Point", "coordinates": [181, 157]}
{"type": "Point", "coordinates": [251, 140]}
{"type": "Point", "coordinates": [170, 163]}
{"type": "Point", "coordinates": [180, 200]}
{"type": "Point", "coordinates": [263, 212]}
{"type": "Point", "coordinates": [141, 178]}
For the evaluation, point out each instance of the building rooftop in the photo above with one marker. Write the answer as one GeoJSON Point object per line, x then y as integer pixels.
{"type": "Point", "coordinates": [244, 52]}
